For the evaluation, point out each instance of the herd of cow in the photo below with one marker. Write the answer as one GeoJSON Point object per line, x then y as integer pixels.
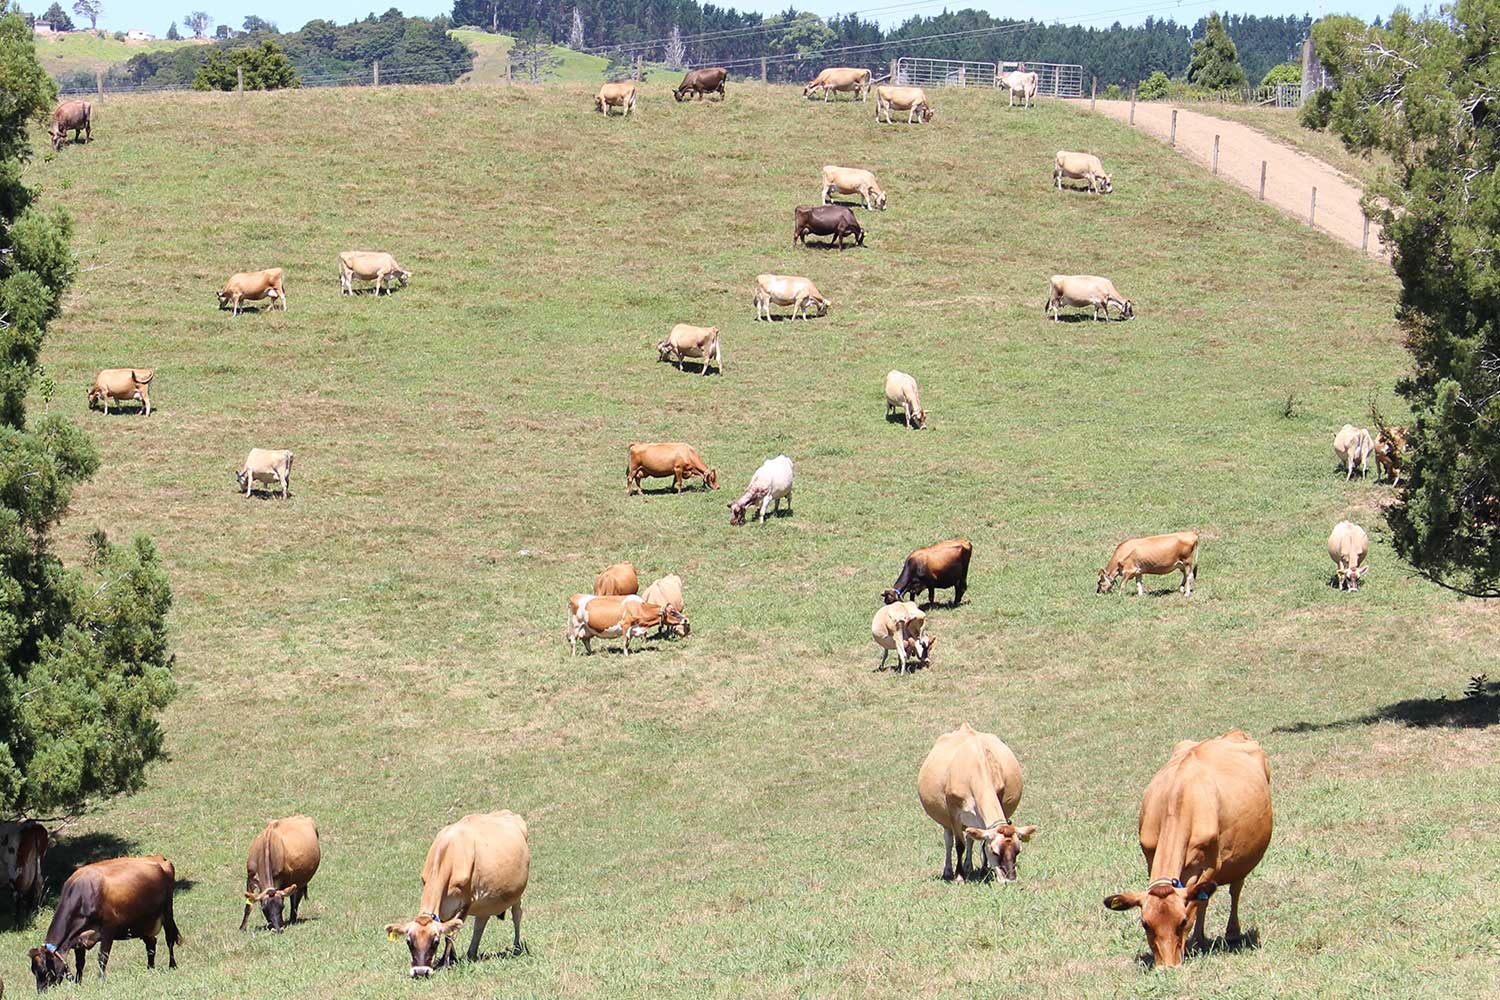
{"type": "Point", "coordinates": [1205, 818]}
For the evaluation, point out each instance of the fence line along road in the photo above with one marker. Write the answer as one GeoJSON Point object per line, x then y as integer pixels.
{"type": "Point", "coordinates": [1289, 175]}
{"type": "Point", "coordinates": [1053, 79]}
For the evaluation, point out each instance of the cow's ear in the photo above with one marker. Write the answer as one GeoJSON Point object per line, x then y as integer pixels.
{"type": "Point", "coordinates": [396, 932]}
{"type": "Point", "coordinates": [974, 833]}
{"type": "Point", "coordinates": [251, 897]}
{"type": "Point", "coordinates": [1026, 832]}
{"type": "Point", "coordinates": [448, 928]}
{"type": "Point", "coordinates": [1122, 901]}
{"type": "Point", "coordinates": [87, 939]}
{"type": "Point", "coordinates": [1203, 891]}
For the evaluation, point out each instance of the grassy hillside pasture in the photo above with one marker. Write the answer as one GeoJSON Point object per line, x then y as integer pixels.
{"type": "Point", "coordinates": [77, 51]}
{"type": "Point", "coordinates": [735, 815]}
{"type": "Point", "coordinates": [491, 52]}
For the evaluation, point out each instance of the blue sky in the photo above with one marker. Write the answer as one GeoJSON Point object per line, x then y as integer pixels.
{"type": "Point", "coordinates": [155, 15]}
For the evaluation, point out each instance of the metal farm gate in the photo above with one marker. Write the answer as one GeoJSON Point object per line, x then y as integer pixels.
{"type": "Point", "coordinates": [1053, 79]}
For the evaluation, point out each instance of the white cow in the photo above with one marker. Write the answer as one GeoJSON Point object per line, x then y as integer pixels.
{"type": "Point", "coordinates": [1020, 83]}
{"type": "Point", "coordinates": [266, 466]}
{"type": "Point", "coordinates": [901, 394]}
{"type": "Point", "coordinates": [1353, 446]}
{"type": "Point", "coordinates": [771, 482]}
{"type": "Point", "coordinates": [1081, 167]}
{"type": "Point", "coordinates": [787, 290]}
{"type": "Point", "coordinates": [853, 180]}
{"type": "Point", "coordinates": [1086, 290]}
{"type": "Point", "coordinates": [900, 626]}
{"type": "Point", "coordinates": [1348, 547]}
{"type": "Point", "coordinates": [369, 265]}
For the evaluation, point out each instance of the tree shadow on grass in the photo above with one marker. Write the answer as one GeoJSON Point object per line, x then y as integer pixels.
{"type": "Point", "coordinates": [1477, 711]}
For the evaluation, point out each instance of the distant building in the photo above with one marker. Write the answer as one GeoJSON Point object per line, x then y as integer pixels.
{"type": "Point", "coordinates": [138, 35]}
{"type": "Point", "coordinates": [43, 28]}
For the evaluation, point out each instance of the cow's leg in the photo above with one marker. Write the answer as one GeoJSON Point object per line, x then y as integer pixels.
{"type": "Point", "coordinates": [105, 944]}
{"type": "Point", "coordinates": [901, 652]}
{"type": "Point", "coordinates": [78, 952]}
{"type": "Point", "coordinates": [947, 855]}
{"type": "Point", "coordinates": [677, 477]}
{"type": "Point", "coordinates": [479, 923]}
{"type": "Point", "coordinates": [1199, 941]}
{"type": "Point", "coordinates": [515, 922]}
{"type": "Point", "coordinates": [1232, 932]}
{"type": "Point", "coordinates": [884, 653]}
{"type": "Point", "coordinates": [1140, 589]}
{"type": "Point", "coordinates": [150, 943]}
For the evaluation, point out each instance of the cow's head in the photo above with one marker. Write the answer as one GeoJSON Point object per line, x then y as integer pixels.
{"type": "Point", "coordinates": [243, 478]}
{"type": "Point", "coordinates": [1106, 183]}
{"type": "Point", "coordinates": [927, 113]}
{"type": "Point", "coordinates": [1127, 309]}
{"type": "Point", "coordinates": [401, 276]}
{"type": "Point", "coordinates": [822, 304]}
{"type": "Point", "coordinates": [272, 902]}
{"type": "Point", "coordinates": [678, 94]}
{"type": "Point", "coordinates": [1349, 577]}
{"type": "Point", "coordinates": [807, 90]}
{"type": "Point", "coordinates": [878, 196]}
{"type": "Point", "coordinates": [712, 476]}
{"type": "Point", "coordinates": [890, 595]}
{"type": "Point", "coordinates": [94, 396]}
{"type": "Point", "coordinates": [675, 621]}
{"type": "Point", "coordinates": [48, 967]}
{"type": "Point", "coordinates": [921, 417]}
{"type": "Point", "coordinates": [1107, 581]}
{"type": "Point", "coordinates": [223, 298]}
{"type": "Point", "coordinates": [599, 103]}
{"type": "Point", "coordinates": [1002, 845]}
{"type": "Point", "coordinates": [423, 937]}
{"type": "Point", "coordinates": [1167, 908]}
{"type": "Point", "coordinates": [921, 647]}
{"type": "Point", "coordinates": [737, 509]}
{"type": "Point", "coordinates": [664, 350]}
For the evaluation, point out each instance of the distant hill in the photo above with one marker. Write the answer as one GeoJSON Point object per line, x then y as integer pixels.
{"type": "Point", "coordinates": [491, 52]}
{"type": "Point", "coordinates": [85, 52]}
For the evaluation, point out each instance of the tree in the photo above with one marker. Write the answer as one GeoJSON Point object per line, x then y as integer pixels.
{"type": "Point", "coordinates": [266, 68]}
{"type": "Point", "coordinates": [1216, 62]}
{"type": "Point", "coordinates": [197, 22]}
{"type": "Point", "coordinates": [675, 55]}
{"type": "Point", "coordinates": [90, 9]}
{"type": "Point", "coordinates": [173, 35]}
{"type": "Point", "coordinates": [1154, 87]}
{"type": "Point", "coordinates": [575, 33]}
{"type": "Point", "coordinates": [532, 59]}
{"type": "Point", "coordinates": [223, 31]}
{"type": "Point", "coordinates": [58, 18]}
{"type": "Point", "coordinates": [84, 662]}
{"type": "Point", "coordinates": [253, 24]}
{"type": "Point", "coordinates": [1288, 72]}
{"type": "Point", "coordinates": [1423, 90]}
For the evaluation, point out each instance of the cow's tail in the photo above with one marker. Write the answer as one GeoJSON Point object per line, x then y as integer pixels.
{"type": "Point", "coordinates": [150, 374]}
{"type": "Point", "coordinates": [174, 936]}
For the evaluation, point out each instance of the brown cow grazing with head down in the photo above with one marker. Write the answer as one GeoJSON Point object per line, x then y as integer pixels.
{"type": "Point", "coordinates": [477, 867]}
{"type": "Point", "coordinates": [709, 80]}
{"type": "Point", "coordinates": [666, 458]}
{"type": "Point", "coordinates": [23, 846]}
{"type": "Point", "coordinates": [75, 117]}
{"type": "Point", "coordinates": [912, 100]}
{"type": "Point", "coordinates": [1205, 821]}
{"type": "Point", "coordinates": [840, 79]}
{"type": "Point", "coordinates": [1156, 555]}
{"type": "Point", "coordinates": [101, 903]}
{"type": "Point", "coordinates": [1349, 547]}
{"type": "Point", "coordinates": [1086, 290]}
{"type": "Point", "coordinates": [688, 341]}
{"type": "Point", "coordinates": [122, 384]}
{"type": "Point", "coordinates": [1390, 452]}
{"type": "Point", "coordinates": [617, 581]}
{"type": "Point", "coordinates": [250, 286]}
{"type": "Point", "coordinates": [970, 784]}
{"type": "Point", "coordinates": [370, 265]}
{"type": "Point", "coordinates": [834, 221]}
{"type": "Point", "coordinates": [264, 465]}
{"type": "Point", "coordinates": [944, 565]}
{"type": "Point", "coordinates": [283, 859]}
{"type": "Point", "coordinates": [616, 95]}
{"type": "Point", "coordinates": [625, 618]}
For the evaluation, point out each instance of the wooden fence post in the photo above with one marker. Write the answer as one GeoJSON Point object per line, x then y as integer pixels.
{"type": "Point", "coordinates": [508, 78]}
{"type": "Point", "coordinates": [1216, 154]}
{"type": "Point", "coordinates": [1364, 243]}
{"type": "Point", "coordinates": [1312, 211]}
{"type": "Point", "coordinates": [1093, 93]}
{"type": "Point", "coordinates": [894, 81]}
{"type": "Point", "coordinates": [763, 76]}
{"type": "Point", "coordinates": [1132, 107]}
{"type": "Point", "coordinates": [239, 87]}
{"type": "Point", "coordinates": [1173, 140]}
{"type": "Point", "coordinates": [1262, 180]}
{"type": "Point", "coordinates": [375, 71]}
{"type": "Point", "coordinates": [99, 83]}
{"type": "Point", "coordinates": [637, 66]}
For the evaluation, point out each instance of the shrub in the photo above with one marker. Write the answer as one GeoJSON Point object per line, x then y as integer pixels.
{"type": "Point", "coordinates": [1154, 87]}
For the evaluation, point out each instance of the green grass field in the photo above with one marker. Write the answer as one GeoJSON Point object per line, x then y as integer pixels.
{"type": "Point", "coordinates": [490, 52]}
{"type": "Point", "coordinates": [78, 51]}
{"type": "Point", "coordinates": [735, 815]}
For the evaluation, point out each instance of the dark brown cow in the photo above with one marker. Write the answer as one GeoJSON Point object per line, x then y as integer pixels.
{"type": "Point", "coordinates": [833, 221]}
{"type": "Point", "coordinates": [103, 902]}
{"type": "Point", "coordinates": [74, 116]}
{"type": "Point", "coordinates": [945, 564]}
{"type": "Point", "coordinates": [702, 81]}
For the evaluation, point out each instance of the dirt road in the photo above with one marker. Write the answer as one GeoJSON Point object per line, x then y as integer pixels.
{"type": "Point", "coordinates": [1290, 174]}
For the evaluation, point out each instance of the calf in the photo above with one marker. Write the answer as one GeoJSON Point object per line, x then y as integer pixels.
{"type": "Point", "coordinates": [101, 903]}
{"type": "Point", "coordinates": [616, 95]}
{"type": "Point", "coordinates": [122, 384]}
{"type": "Point", "coordinates": [687, 341]}
{"type": "Point", "coordinates": [840, 80]}
{"type": "Point", "coordinates": [771, 482]}
{"type": "Point", "coordinates": [970, 785]}
{"type": "Point", "coordinates": [901, 395]}
{"type": "Point", "coordinates": [1390, 452]}
{"type": "Point", "coordinates": [943, 565]}
{"type": "Point", "coordinates": [624, 618]}
{"type": "Point", "coordinates": [617, 581]}
{"type": "Point", "coordinates": [1354, 446]}
{"type": "Point", "coordinates": [253, 286]}
{"type": "Point", "coordinates": [852, 180]}
{"type": "Point", "coordinates": [1153, 554]}
{"type": "Point", "coordinates": [1086, 290]}
{"type": "Point", "coordinates": [667, 458]}
{"type": "Point", "coordinates": [75, 117]}
{"type": "Point", "coordinates": [263, 466]}
{"type": "Point", "coordinates": [283, 859]}
{"type": "Point", "coordinates": [369, 265]}
{"type": "Point", "coordinates": [1022, 84]}
{"type": "Point", "coordinates": [477, 867]}
{"type": "Point", "coordinates": [1348, 547]}
{"type": "Point", "coordinates": [787, 290]}
{"type": "Point", "coordinates": [23, 846]}
{"type": "Point", "coordinates": [900, 626]}
{"type": "Point", "coordinates": [912, 100]}
{"type": "Point", "coordinates": [709, 80]}
{"type": "Point", "coordinates": [833, 221]}
{"type": "Point", "coordinates": [1081, 167]}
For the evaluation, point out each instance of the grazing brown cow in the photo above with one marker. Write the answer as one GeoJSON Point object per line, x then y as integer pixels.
{"type": "Point", "coordinates": [624, 618]}
{"type": "Point", "coordinates": [788, 290]}
{"type": "Point", "coordinates": [945, 564]}
{"type": "Point", "coordinates": [1205, 820]}
{"type": "Point", "coordinates": [1349, 547]}
{"type": "Point", "coordinates": [75, 117]}
{"type": "Point", "coordinates": [970, 784]}
{"type": "Point", "coordinates": [103, 902]}
{"type": "Point", "coordinates": [1390, 452]}
{"type": "Point", "coordinates": [853, 180]}
{"type": "Point", "coordinates": [616, 95]}
{"type": "Point", "coordinates": [249, 286]}
{"type": "Point", "coordinates": [122, 384]}
{"type": "Point", "coordinates": [709, 80]}
{"type": "Point", "coordinates": [617, 581]}
{"type": "Point", "coordinates": [840, 79]}
{"type": "Point", "coordinates": [1086, 290]}
{"type": "Point", "coordinates": [283, 859]}
{"type": "Point", "coordinates": [666, 458]}
{"type": "Point", "coordinates": [370, 265]}
{"type": "Point", "coordinates": [265, 465]}
{"type": "Point", "coordinates": [912, 100]}
{"type": "Point", "coordinates": [901, 627]}
{"type": "Point", "coordinates": [688, 341]}
{"type": "Point", "coordinates": [1153, 554]}
{"type": "Point", "coordinates": [477, 867]}
{"type": "Point", "coordinates": [833, 221]}
{"type": "Point", "coordinates": [23, 846]}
